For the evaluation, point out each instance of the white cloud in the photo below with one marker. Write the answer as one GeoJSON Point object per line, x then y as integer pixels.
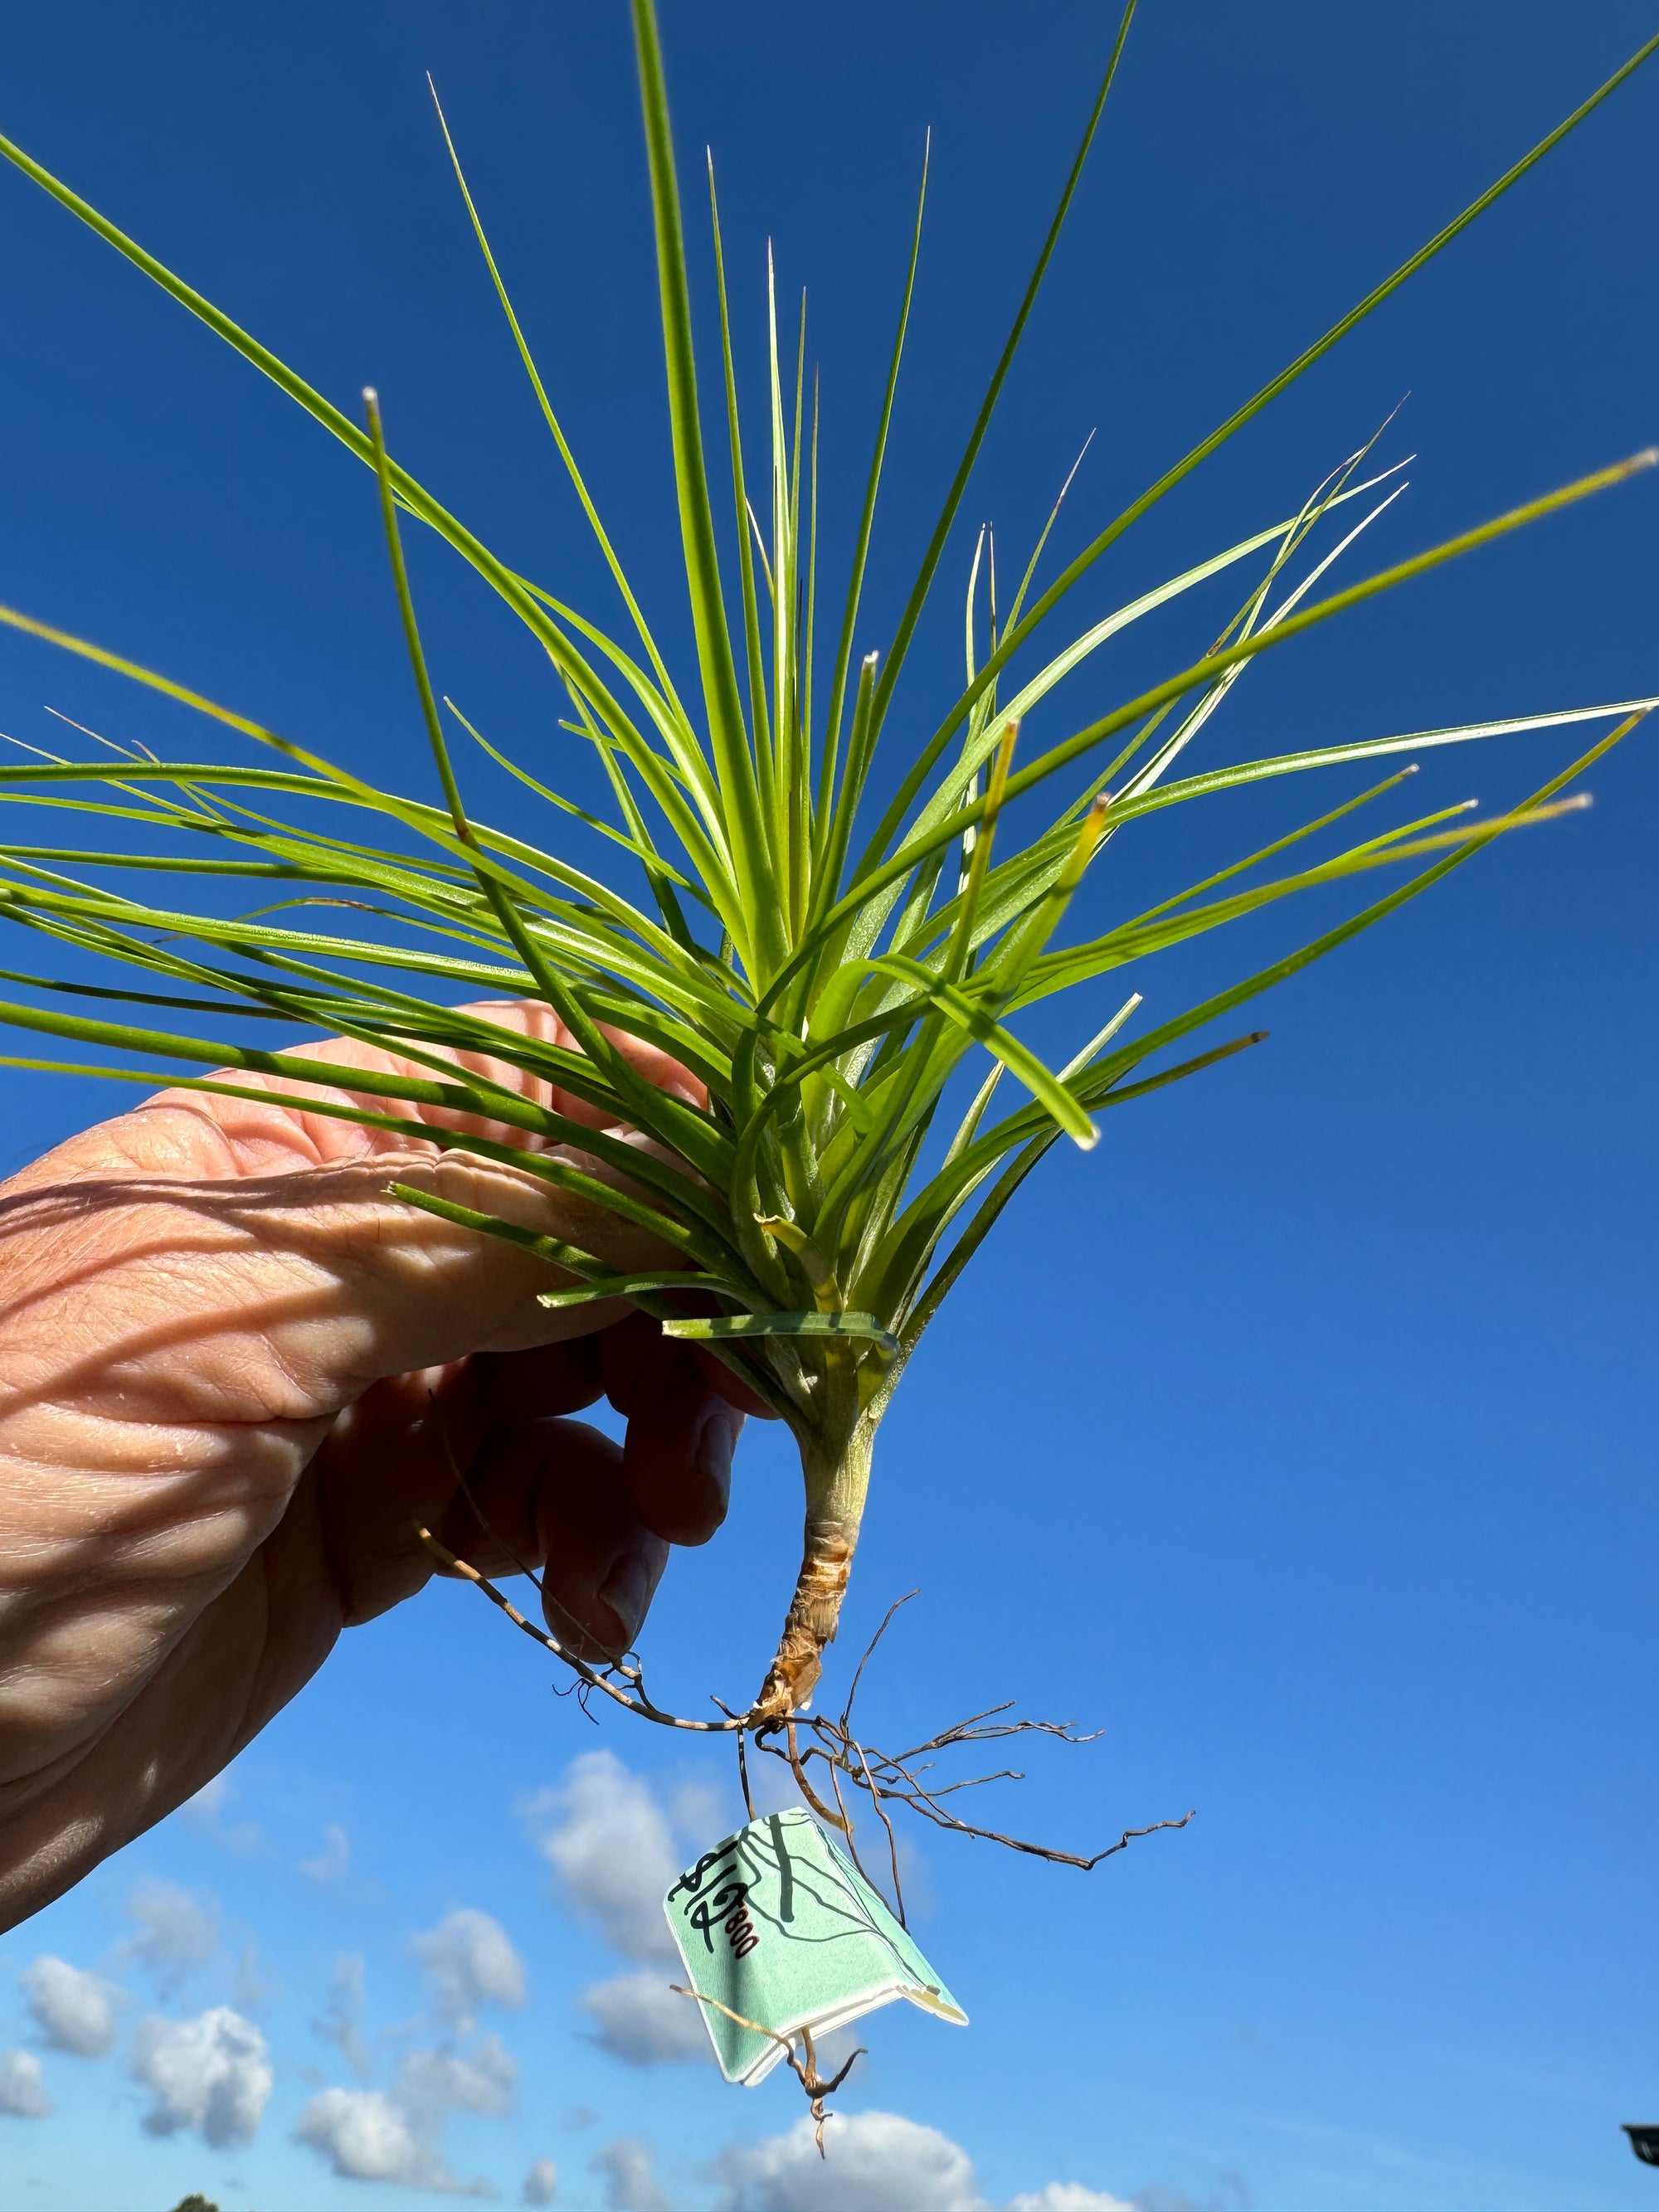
{"type": "Point", "coordinates": [1158, 2197]}
{"type": "Point", "coordinates": [881, 2162]}
{"type": "Point", "coordinates": [468, 1962]}
{"type": "Point", "coordinates": [1068, 2197]}
{"type": "Point", "coordinates": [379, 2135]}
{"type": "Point", "coordinates": [208, 2073]}
{"type": "Point", "coordinates": [22, 2094]}
{"type": "Point", "coordinates": [628, 2167]}
{"type": "Point", "coordinates": [638, 2019]}
{"type": "Point", "coordinates": [541, 2184]}
{"type": "Point", "coordinates": [878, 2162]}
{"type": "Point", "coordinates": [73, 2009]}
{"type": "Point", "coordinates": [333, 1863]}
{"type": "Point", "coordinates": [435, 2082]}
{"type": "Point", "coordinates": [177, 1932]}
{"type": "Point", "coordinates": [366, 2135]}
{"type": "Point", "coordinates": [609, 1844]}
{"type": "Point", "coordinates": [340, 2020]}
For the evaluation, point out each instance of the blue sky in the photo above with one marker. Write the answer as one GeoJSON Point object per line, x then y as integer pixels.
{"type": "Point", "coordinates": [1300, 1436]}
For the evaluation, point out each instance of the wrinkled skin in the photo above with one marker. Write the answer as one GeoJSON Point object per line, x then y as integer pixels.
{"type": "Point", "coordinates": [234, 1372]}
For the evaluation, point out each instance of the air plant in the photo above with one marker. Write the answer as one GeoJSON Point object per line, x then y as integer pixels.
{"type": "Point", "coordinates": [835, 943]}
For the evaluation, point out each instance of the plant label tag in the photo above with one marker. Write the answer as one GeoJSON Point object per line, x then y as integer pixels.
{"type": "Point", "coordinates": [776, 1924]}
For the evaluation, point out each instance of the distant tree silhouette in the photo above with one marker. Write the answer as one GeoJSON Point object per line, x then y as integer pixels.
{"type": "Point", "coordinates": [197, 2202]}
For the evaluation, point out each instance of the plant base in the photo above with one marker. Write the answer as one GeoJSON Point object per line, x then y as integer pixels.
{"type": "Point", "coordinates": [813, 1616]}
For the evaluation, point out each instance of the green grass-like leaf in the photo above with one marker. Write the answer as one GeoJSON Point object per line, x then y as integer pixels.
{"type": "Point", "coordinates": [831, 980]}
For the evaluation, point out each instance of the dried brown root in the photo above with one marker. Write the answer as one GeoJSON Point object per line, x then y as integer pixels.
{"type": "Point", "coordinates": [896, 1777]}
{"type": "Point", "coordinates": [888, 1778]}
{"type": "Point", "coordinates": [884, 1778]}
{"type": "Point", "coordinates": [622, 1680]}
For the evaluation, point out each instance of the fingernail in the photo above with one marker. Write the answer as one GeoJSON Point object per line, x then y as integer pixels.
{"type": "Point", "coordinates": [627, 1590]}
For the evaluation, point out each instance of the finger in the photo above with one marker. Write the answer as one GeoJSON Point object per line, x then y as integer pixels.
{"type": "Point", "coordinates": [602, 1565]}
{"type": "Point", "coordinates": [390, 1465]}
{"type": "Point", "coordinates": [529, 1017]}
{"type": "Point", "coordinates": [462, 1453]}
{"type": "Point", "coordinates": [736, 1392]}
{"type": "Point", "coordinates": [546, 1380]}
{"type": "Point", "coordinates": [627, 1345]}
{"type": "Point", "coordinates": [511, 1019]}
{"type": "Point", "coordinates": [625, 1349]}
{"type": "Point", "coordinates": [681, 1435]}
{"type": "Point", "coordinates": [677, 1456]}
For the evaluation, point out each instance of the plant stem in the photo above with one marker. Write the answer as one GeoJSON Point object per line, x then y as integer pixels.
{"type": "Point", "coordinates": [836, 1483]}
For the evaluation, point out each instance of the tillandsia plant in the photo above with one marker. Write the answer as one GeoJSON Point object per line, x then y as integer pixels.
{"type": "Point", "coordinates": [834, 943]}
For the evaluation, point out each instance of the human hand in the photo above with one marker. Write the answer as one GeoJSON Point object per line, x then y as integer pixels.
{"type": "Point", "coordinates": [234, 1373]}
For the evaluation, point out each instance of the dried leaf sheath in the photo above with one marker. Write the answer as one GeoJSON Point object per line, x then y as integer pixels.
{"type": "Point", "coordinates": [838, 939]}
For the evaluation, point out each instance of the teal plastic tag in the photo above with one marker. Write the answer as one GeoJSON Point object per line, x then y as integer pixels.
{"type": "Point", "coordinates": [777, 1925]}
